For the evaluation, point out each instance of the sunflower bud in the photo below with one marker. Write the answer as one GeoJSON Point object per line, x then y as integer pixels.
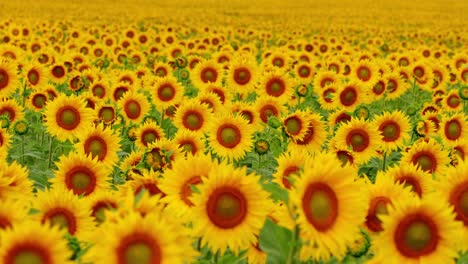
{"type": "Point", "coordinates": [21, 127]}
{"type": "Point", "coordinates": [262, 146]}
{"type": "Point", "coordinates": [274, 122]}
{"type": "Point", "coordinates": [4, 121]}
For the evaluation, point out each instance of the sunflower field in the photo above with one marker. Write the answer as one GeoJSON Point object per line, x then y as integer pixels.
{"type": "Point", "coordinates": [268, 131]}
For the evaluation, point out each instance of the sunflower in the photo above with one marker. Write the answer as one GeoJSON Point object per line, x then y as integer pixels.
{"type": "Point", "coordinates": [296, 124]}
{"type": "Point", "coordinates": [241, 75]}
{"type": "Point", "coordinates": [81, 174]}
{"type": "Point", "coordinates": [206, 72]}
{"type": "Point", "coordinates": [193, 116]}
{"type": "Point", "coordinates": [453, 188]}
{"type": "Point", "coordinates": [350, 95]}
{"type": "Point", "coordinates": [339, 117]}
{"type": "Point", "coordinates": [209, 99]}
{"type": "Point", "coordinates": [304, 72]}
{"type": "Point", "coordinates": [37, 100]}
{"type": "Point", "coordinates": [160, 154]}
{"type": "Point", "coordinates": [11, 109]}
{"type": "Point", "coordinates": [189, 142]}
{"type": "Point", "coordinates": [166, 92]}
{"type": "Point", "coordinates": [290, 163]}
{"type": "Point", "coordinates": [57, 72]}
{"type": "Point", "coordinates": [35, 75]}
{"type": "Point", "coordinates": [427, 155]}
{"type": "Point", "coordinates": [8, 78]}
{"type": "Point", "coordinates": [366, 72]}
{"type": "Point", "coordinates": [221, 91]}
{"type": "Point", "coordinates": [418, 231]}
{"type": "Point", "coordinates": [453, 128]}
{"type": "Point", "coordinates": [67, 116]}
{"type": "Point", "coordinates": [230, 208]}
{"type": "Point", "coordinates": [12, 212]}
{"type": "Point", "coordinates": [452, 101]}
{"type": "Point", "coordinates": [248, 112]}
{"type": "Point", "coordinates": [255, 255]}
{"type": "Point", "coordinates": [396, 86]}
{"type": "Point", "coordinates": [268, 106]}
{"type": "Point", "coordinates": [100, 143]}
{"type": "Point", "coordinates": [102, 202]}
{"type": "Point", "coordinates": [60, 207]}
{"type": "Point", "coordinates": [177, 183]}
{"type": "Point", "coordinates": [459, 151]}
{"type": "Point", "coordinates": [32, 242]}
{"type": "Point", "coordinates": [230, 136]}
{"type": "Point", "coordinates": [14, 181]}
{"type": "Point", "coordinates": [100, 90]}
{"type": "Point", "coordinates": [315, 135]}
{"type": "Point", "coordinates": [148, 133]}
{"type": "Point", "coordinates": [133, 238]}
{"type": "Point", "coordinates": [324, 78]}
{"type": "Point", "coordinates": [134, 106]}
{"type": "Point", "coordinates": [417, 180]}
{"type": "Point", "coordinates": [107, 113]}
{"type": "Point", "coordinates": [5, 142]}
{"type": "Point", "coordinates": [149, 181]}
{"type": "Point", "coordinates": [394, 127]}
{"type": "Point", "coordinates": [276, 83]}
{"type": "Point", "coordinates": [381, 196]}
{"type": "Point", "coordinates": [328, 209]}
{"type": "Point", "coordinates": [361, 136]}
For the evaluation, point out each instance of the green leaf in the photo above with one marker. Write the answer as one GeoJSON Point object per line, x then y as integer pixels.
{"type": "Point", "coordinates": [277, 193]}
{"type": "Point", "coordinates": [275, 242]}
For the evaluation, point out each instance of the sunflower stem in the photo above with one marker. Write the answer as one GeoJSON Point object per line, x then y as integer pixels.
{"type": "Point", "coordinates": [216, 256]}
{"type": "Point", "coordinates": [50, 152]}
{"type": "Point", "coordinates": [384, 160]}
{"type": "Point", "coordinates": [199, 244]}
{"type": "Point", "coordinates": [162, 117]}
{"type": "Point", "coordinates": [22, 149]}
{"type": "Point", "coordinates": [294, 249]}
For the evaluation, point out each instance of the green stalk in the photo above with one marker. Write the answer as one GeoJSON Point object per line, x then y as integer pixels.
{"type": "Point", "coordinates": [50, 152]}
{"type": "Point", "coordinates": [384, 160]}
{"type": "Point", "coordinates": [292, 256]}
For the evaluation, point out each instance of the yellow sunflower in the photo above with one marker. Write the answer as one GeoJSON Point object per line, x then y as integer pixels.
{"type": "Point", "coordinates": [211, 100]}
{"type": "Point", "coordinates": [296, 124]}
{"type": "Point", "coordinates": [101, 143]}
{"type": "Point", "coordinates": [241, 75]}
{"type": "Point", "coordinates": [11, 109]}
{"type": "Point", "coordinates": [5, 141]}
{"type": "Point", "coordinates": [427, 155]}
{"type": "Point", "coordinates": [381, 195]}
{"type": "Point", "coordinates": [160, 154]}
{"type": "Point", "coordinates": [189, 142]}
{"type": "Point", "coordinates": [206, 72]}
{"type": "Point", "coordinates": [366, 72]}
{"type": "Point", "coordinates": [15, 182]}
{"type": "Point", "coordinates": [230, 136]}
{"type": "Point", "coordinates": [329, 210]}
{"type": "Point", "coordinates": [8, 78]}
{"type": "Point", "coordinates": [361, 136]}
{"type": "Point", "coordinates": [276, 83]}
{"type": "Point", "coordinates": [394, 128]}
{"type": "Point", "coordinates": [453, 188]}
{"type": "Point", "coordinates": [148, 133]}
{"type": "Point", "coordinates": [83, 175]}
{"type": "Point", "coordinates": [290, 163]}
{"type": "Point", "coordinates": [37, 100]}
{"type": "Point", "coordinates": [418, 231]}
{"type": "Point", "coordinates": [396, 85]}
{"type": "Point", "coordinates": [58, 72]}
{"type": "Point", "coordinates": [177, 183]}
{"type": "Point", "coordinates": [12, 212]}
{"type": "Point", "coordinates": [35, 75]}
{"type": "Point", "coordinates": [166, 92]}
{"type": "Point", "coordinates": [62, 208]}
{"type": "Point", "coordinates": [350, 95]}
{"type": "Point", "coordinates": [459, 151]}
{"type": "Point", "coordinates": [133, 238]}
{"type": "Point", "coordinates": [229, 209]}
{"type": "Point", "coordinates": [32, 242]}
{"type": "Point", "coordinates": [268, 106]}
{"type": "Point", "coordinates": [417, 180]}
{"type": "Point", "coordinates": [193, 116]}
{"type": "Point", "coordinates": [67, 116]}
{"type": "Point", "coordinates": [119, 89]}
{"type": "Point", "coordinates": [315, 135]}
{"type": "Point", "coordinates": [452, 101]}
{"type": "Point", "coordinates": [134, 106]}
{"type": "Point", "coordinates": [100, 203]}
{"type": "Point", "coordinates": [149, 181]}
{"type": "Point", "coordinates": [453, 128]}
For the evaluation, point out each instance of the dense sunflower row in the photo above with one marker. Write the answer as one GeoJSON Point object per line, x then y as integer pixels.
{"type": "Point", "coordinates": [173, 142]}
